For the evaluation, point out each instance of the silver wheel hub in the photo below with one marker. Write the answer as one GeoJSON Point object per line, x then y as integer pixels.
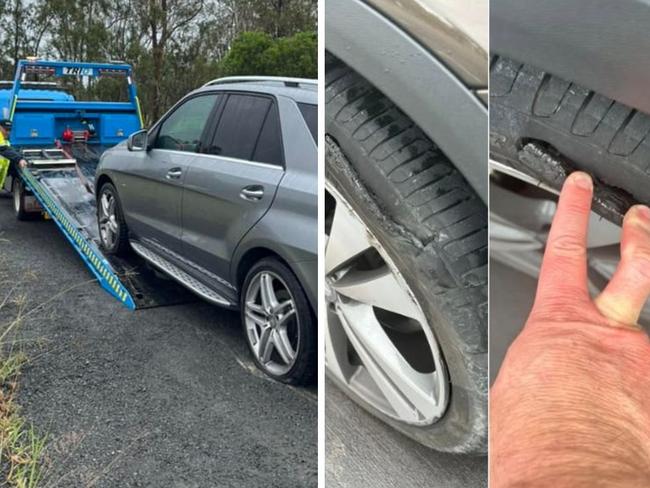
{"type": "Point", "coordinates": [272, 323]}
{"type": "Point", "coordinates": [108, 226]}
{"type": "Point", "coordinates": [378, 341]}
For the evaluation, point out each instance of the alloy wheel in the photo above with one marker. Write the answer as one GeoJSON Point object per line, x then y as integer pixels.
{"type": "Point", "coordinates": [108, 226]}
{"type": "Point", "coordinates": [272, 323]}
{"type": "Point", "coordinates": [378, 341]}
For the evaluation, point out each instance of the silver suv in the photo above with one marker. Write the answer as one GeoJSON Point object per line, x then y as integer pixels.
{"type": "Point", "coordinates": [221, 194]}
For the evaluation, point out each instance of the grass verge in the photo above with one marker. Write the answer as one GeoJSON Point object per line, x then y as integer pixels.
{"type": "Point", "coordinates": [21, 447]}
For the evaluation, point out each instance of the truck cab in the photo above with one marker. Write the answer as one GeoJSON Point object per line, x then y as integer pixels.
{"type": "Point", "coordinates": [81, 108]}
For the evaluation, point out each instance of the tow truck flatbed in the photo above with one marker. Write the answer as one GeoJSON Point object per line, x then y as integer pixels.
{"type": "Point", "coordinates": [59, 178]}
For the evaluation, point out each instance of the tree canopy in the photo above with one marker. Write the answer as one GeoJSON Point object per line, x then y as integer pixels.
{"type": "Point", "coordinates": [173, 45]}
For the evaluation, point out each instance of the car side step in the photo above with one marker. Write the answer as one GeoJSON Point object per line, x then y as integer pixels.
{"type": "Point", "coordinates": [181, 276]}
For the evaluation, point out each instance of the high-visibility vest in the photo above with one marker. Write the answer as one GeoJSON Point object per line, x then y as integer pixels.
{"type": "Point", "coordinates": [4, 162]}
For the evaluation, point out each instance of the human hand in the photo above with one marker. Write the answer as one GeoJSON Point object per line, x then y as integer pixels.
{"type": "Point", "coordinates": [22, 163]}
{"type": "Point", "coordinates": [571, 404]}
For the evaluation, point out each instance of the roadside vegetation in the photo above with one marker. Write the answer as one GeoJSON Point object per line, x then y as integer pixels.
{"type": "Point", "coordinates": [21, 446]}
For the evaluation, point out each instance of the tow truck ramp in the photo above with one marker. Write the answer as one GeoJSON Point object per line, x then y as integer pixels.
{"type": "Point", "coordinates": [58, 184]}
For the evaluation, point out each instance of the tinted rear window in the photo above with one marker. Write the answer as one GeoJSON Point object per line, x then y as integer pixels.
{"type": "Point", "coordinates": [310, 114]}
{"type": "Point", "coordinates": [240, 125]}
{"type": "Point", "coordinates": [269, 144]}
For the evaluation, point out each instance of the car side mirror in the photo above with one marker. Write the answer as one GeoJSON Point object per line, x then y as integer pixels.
{"type": "Point", "coordinates": [138, 141]}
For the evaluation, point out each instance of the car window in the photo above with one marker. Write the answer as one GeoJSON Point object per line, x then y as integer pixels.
{"type": "Point", "coordinates": [310, 114]}
{"type": "Point", "coordinates": [182, 130]}
{"type": "Point", "coordinates": [269, 145]}
{"type": "Point", "coordinates": [240, 125]}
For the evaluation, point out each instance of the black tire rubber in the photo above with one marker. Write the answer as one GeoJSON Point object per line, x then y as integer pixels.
{"type": "Point", "coordinates": [594, 133]}
{"type": "Point", "coordinates": [121, 247]}
{"type": "Point", "coordinates": [303, 371]}
{"type": "Point", "coordinates": [21, 214]}
{"type": "Point", "coordinates": [433, 225]}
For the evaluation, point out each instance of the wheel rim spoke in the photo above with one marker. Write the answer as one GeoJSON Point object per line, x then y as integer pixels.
{"type": "Point", "coordinates": [254, 307]}
{"type": "Point", "coordinates": [367, 355]}
{"type": "Point", "coordinates": [104, 203]}
{"type": "Point", "coordinates": [265, 345]}
{"type": "Point", "coordinates": [348, 238]}
{"type": "Point", "coordinates": [379, 288]}
{"type": "Point", "coordinates": [285, 318]}
{"type": "Point", "coordinates": [282, 305]}
{"type": "Point", "coordinates": [269, 300]}
{"type": "Point", "coordinates": [261, 321]}
{"type": "Point", "coordinates": [283, 345]}
{"type": "Point", "coordinates": [404, 387]}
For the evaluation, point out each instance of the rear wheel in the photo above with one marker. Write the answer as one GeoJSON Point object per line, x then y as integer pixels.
{"type": "Point", "coordinates": [20, 201]}
{"type": "Point", "coordinates": [113, 231]}
{"type": "Point", "coordinates": [279, 326]}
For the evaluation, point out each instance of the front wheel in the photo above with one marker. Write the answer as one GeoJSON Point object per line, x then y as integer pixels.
{"type": "Point", "coordinates": [279, 326]}
{"type": "Point", "coordinates": [112, 226]}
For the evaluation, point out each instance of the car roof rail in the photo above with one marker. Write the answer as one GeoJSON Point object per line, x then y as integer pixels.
{"type": "Point", "coordinates": [290, 82]}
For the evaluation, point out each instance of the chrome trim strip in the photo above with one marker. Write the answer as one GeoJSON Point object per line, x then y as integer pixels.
{"type": "Point", "coordinates": [227, 158]}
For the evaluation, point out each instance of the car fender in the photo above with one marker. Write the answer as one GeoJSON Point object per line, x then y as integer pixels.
{"type": "Point", "coordinates": [600, 44]}
{"type": "Point", "coordinates": [303, 264]}
{"type": "Point", "coordinates": [449, 111]}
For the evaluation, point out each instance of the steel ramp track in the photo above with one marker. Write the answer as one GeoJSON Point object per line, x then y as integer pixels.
{"type": "Point", "coordinates": [85, 247]}
{"type": "Point", "coordinates": [63, 195]}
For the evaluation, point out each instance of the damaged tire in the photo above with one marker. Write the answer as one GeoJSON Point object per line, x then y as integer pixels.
{"type": "Point", "coordinates": [406, 271]}
{"type": "Point", "coordinates": [589, 131]}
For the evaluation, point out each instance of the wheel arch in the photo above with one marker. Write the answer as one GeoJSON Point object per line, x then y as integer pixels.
{"type": "Point", "coordinates": [436, 100]}
{"type": "Point", "coordinates": [102, 179]}
{"type": "Point", "coordinates": [253, 255]}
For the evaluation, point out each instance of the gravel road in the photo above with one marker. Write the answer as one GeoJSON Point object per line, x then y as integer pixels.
{"type": "Point", "coordinates": [361, 451]}
{"type": "Point", "coordinates": [165, 397]}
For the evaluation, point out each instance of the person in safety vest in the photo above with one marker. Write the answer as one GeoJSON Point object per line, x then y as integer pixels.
{"type": "Point", "coordinates": [9, 157]}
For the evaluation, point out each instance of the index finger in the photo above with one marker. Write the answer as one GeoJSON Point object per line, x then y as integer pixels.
{"type": "Point", "coordinates": [563, 276]}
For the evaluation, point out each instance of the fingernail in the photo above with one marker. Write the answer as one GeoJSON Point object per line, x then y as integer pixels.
{"type": "Point", "coordinates": [582, 180]}
{"type": "Point", "coordinates": [643, 212]}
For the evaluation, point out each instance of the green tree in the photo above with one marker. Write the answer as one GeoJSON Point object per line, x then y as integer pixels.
{"type": "Point", "coordinates": [294, 56]}
{"type": "Point", "coordinates": [256, 53]}
{"type": "Point", "coordinates": [174, 46]}
{"type": "Point", "coordinates": [247, 55]}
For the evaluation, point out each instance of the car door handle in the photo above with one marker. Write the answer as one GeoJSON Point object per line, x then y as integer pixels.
{"type": "Point", "coordinates": [174, 174]}
{"type": "Point", "coordinates": [252, 193]}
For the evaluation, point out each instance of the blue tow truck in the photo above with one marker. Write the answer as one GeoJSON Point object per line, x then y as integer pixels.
{"type": "Point", "coordinates": [62, 138]}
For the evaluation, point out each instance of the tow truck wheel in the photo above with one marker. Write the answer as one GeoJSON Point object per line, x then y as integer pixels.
{"type": "Point", "coordinates": [18, 190]}
{"type": "Point", "coordinates": [113, 232]}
